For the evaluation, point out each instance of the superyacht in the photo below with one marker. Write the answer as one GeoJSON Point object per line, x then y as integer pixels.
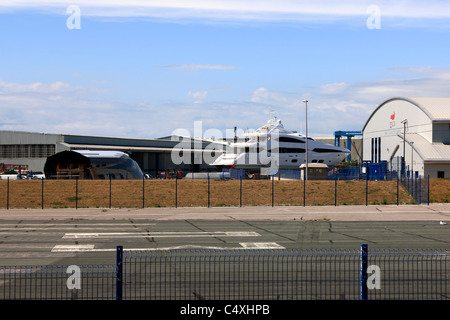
{"type": "Point", "coordinates": [274, 146]}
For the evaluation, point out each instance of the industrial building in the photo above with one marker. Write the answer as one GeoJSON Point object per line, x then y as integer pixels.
{"type": "Point", "coordinates": [28, 151]}
{"type": "Point", "coordinates": [411, 135]}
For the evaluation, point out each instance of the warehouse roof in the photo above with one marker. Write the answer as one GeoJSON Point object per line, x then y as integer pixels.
{"type": "Point", "coordinates": [436, 108]}
{"type": "Point", "coordinates": [429, 152]}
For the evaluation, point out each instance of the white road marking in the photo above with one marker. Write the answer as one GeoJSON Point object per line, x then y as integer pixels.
{"type": "Point", "coordinates": [91, 247]}
{"type": "Point", "coordinates": [74, 248]}
{"type": "Point", "coordinates": [106, 235]}
{"type": "Point", "coordinates": [261, 245]}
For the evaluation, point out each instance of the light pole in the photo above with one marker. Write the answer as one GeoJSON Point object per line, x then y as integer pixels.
{"type": "Point", "coordinates": [404, 142]}
{"type": "Point", "coordinates": [306, 131]}
{"type": "Point", "coordinates": [412, 161]}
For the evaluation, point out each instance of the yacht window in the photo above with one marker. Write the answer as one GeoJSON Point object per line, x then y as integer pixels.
{"type": "Point", "coordinates": [324, 150]}
{"type": "Point", "coordinates": [288, 150]}
{"type": "Point", "coordinates": [320, 161]}
{"type": "Point", "coordinates": [294, 160]}
{"type": "Point", "coordinates": [289, 139]}
{"type": "Point", "coordinates": [314, 161]}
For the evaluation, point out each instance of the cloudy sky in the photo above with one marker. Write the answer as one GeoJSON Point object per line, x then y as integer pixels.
{"type": "Point", "coordinates": [135, 68]}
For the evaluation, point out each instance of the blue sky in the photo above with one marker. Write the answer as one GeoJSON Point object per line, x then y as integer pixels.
{"type": "Point", "coordinates": [147, 68]}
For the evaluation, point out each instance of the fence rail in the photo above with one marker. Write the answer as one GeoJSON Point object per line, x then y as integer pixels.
{"type": "Point", "coordinates": [278, 274]}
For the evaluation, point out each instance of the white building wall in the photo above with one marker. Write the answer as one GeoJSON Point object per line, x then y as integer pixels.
{"type": "Point", "coordinates": [386, 126]}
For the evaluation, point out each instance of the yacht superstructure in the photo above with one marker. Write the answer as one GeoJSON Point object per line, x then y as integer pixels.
{"type": "Point", "coordinates": [274, 146]}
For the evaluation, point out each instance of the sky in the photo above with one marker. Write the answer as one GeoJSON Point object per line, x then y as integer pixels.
{"type": "Point", "coordinates": [149, 69]}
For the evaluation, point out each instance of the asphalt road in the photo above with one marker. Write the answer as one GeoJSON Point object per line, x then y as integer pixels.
{"type": "Point", "coordinates": [90, 236]}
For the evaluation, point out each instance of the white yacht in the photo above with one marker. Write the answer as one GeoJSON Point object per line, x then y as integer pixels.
{"type": "Point", "coordinates": [274, 146]}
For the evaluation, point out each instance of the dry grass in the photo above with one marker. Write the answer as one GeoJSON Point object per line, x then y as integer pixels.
{"type": "Point", "coordinates": [183, 193]}
{"type": "Point", "coordinates": [440, 190]}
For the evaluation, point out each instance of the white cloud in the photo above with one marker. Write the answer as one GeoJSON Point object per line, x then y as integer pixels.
{"type": "Point", "coordinates": [346, 106]}
{"type": "Point", "coordinates": [64, 108]}
{"type": "Point", "coordinates": [266, 96]}
{"type": "Point", "coordinates": [331, 88]}
{"type": "Point", "coordinates": [243, 10]}
{"type": "Point", "coordinates": [36, 87]}
{"type": "Point", "coordinates": [198, 96]}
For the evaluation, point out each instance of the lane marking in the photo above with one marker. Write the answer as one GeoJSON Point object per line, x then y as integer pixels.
{"type": "Point", "coordinates": [104, 235]}
{"type": "Point", "coordinates": [91, 247]}
{"type": "Point", "coordinates": [74, 248]}
{"type": "Point", "coordinates": [261, 245]}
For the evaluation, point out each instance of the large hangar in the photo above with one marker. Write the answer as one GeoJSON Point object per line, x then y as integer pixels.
{"type": "Point", "coordinates": [411, 134]}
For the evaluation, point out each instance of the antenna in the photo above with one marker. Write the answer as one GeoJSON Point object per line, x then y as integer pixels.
{"type": "Point", "coordinates": [272, 112]}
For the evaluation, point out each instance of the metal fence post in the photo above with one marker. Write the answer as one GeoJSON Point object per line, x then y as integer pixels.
{"type": "Point", "coordinates": [7, 195]}
{"type": "Point", "coordinates": [208, 191]}
{"type": "Point", "coordinates": [240, 191]}
{"type": "Point", "coordinates": [367, 187]}
{"type": "Point", "coordinates": [143, 192]}
{"type": "Point", "coordinates": [304, 191]}
{"type": "Point", "coordinates": [364, 263]}
{"type": "Point", "coordinates": [428, 191]}
{"type": "Point", "coordinates": [335, 191]}
{"type": "Point", "coordinates": [42, 195]}
{"type": "Point", "coordinates": [76, 193]}
{"type": "Point", "coordinates": [420, 190]}
{"type": "Point", "coordinates": [397, 189]}
{"type": "Point", "coordinates": [110, 192]}
{"type": "Point", "coordinates": [176, 190]}
{"type": "Point", "coordinates": [272, 190]}
{"type": "Point", "coordinates": [119, 272]}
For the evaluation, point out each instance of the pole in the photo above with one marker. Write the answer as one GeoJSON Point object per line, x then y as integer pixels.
{"type": "Point", "coordinates": [42, 195]}
{"type": "Point", "coordinates": [306, 132]}
{"type": "Point", "coordinates": [208, 191]}
{"type": "Point", "coordinates": [176, 191]}
{"type": "Point", "coordinates": [119, 272]}
{"type": "Point", "coordinates": [240, 191]}
{"type": "Point", "coordinates": [76, 193]}
{"type": "Point", "coordinates": [272, 190]}
{"type": "Point", "coordinates": [110, 192]}
{"type": "Point", "coordinates": [335, 191]}
{"type": "Point", "coordinates": [143, 192]}
{"type": "Point", "coordinates": [7, 195]}
{"type": "Point", "coordinates": [364, 263]}
{"type": "Point", "coordinates": [404, 145]}
{"type": "Point", "coordinates": [367, 186]}
{"type": "Point", "coordinates": [397, 188]}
